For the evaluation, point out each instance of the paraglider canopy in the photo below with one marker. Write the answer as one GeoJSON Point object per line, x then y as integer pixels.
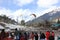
{"type": "Point", "coordinates": [34, 15]}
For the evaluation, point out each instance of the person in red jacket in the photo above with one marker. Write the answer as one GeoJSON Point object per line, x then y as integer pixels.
{"type": "Point", "coordinates": [22, 37]}
{"type": "Point", "coordinates": [2, 34]}
{"type": "Point", "coordinates": [47, 35]}
{"type": "Point", "coordinates": [7, 37]}
{"type": "Point", "coordinates": [53, 34]}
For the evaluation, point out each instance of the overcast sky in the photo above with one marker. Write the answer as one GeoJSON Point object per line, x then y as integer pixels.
{"type": "Point", "coordinates": [24, 8]}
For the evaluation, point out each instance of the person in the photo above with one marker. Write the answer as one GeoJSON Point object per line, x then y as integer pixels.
{"type": "Point", "coordinates": [28, 35]}
{"type": "Point", "coordinates": [12, 35]}
{"type": "Point", "coordinates": [47, 35]}
{"type": "Point", "coordinates": [0, 36]}
{"type": "Point", "coordinates": [3, 34]}
{"type": "Point", "coordinates": [32, 36]}
{"type": "Point", "coordinates": [42, 36]}
{"type": "Point", "coordinates": [17, 34]}
{"type": "Point", "coordinates": [7, 37]}
{"type": "Point", "coordinates": [22, 37]}
{"type": "Point", "coordinates": [53, 34]}
{"type": "Point", "coordinates": [36, 36]}
{"type": "Point", "coordinates": [51, 37]}
{"type": "Point", "coordinates": [25, 34]}
{"type": "Point", "coordinates": [40, 33]}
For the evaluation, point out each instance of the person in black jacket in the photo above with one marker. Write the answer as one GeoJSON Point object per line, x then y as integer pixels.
{"type": "Point", "coordinates": [42, 36]}
{"type": "Point", "coordinates": [25, 35]}
{"type": "Point", "coordinates": [36, 36]}
{"type": "Point", "coordinates": [17, 34]}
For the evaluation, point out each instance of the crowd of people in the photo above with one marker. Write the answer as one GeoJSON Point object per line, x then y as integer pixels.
{"type": "Point", "coordinates": [19, 35]}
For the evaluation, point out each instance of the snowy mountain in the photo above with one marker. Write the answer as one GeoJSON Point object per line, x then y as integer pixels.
{"type": "Point", "coordinates": [54, 14]}
{"type": "Point", "coordinates": [51, 15]}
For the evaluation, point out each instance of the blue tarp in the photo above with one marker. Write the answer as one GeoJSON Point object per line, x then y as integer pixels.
{"type": "Point", "coordinates": [55, 25]}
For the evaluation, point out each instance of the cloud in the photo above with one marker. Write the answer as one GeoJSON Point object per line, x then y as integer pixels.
{"type": "Point", "coordinates": [49, 9]}
{"type": "Point", "coordinates": [24, 14]}
{"type": "Point", "coordinates": [21, 14]}
{"type": "Point", "coordinates": [22, 2]}
{"type": "Point", "coordinates": [46, 3]}
{"type": "Point", "coordinates": [4, 11]}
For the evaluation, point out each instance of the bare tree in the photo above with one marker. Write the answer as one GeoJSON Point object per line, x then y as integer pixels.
{"type": "Point", "coordinates": [22, 22]}
{"type": "Point", "coordinates": [47, 23]}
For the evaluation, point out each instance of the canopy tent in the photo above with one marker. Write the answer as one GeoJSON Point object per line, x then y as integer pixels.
{"type": "Point", "coordinates": [55, 25]}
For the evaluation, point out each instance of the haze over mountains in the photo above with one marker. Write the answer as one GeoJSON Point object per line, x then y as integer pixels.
{"type": "Point", "coordinates": [54, 14]}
